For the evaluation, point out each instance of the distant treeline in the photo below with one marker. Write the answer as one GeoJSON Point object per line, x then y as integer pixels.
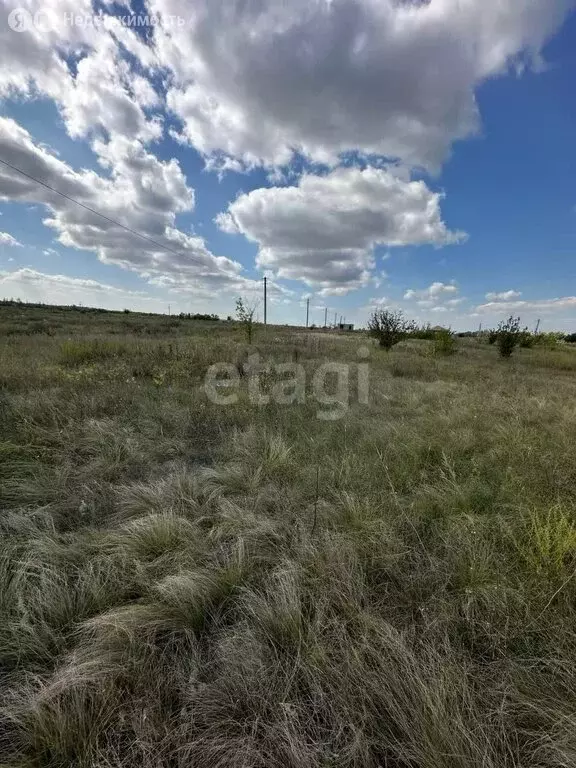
{"type": "Point", "coordinates": [61, 307]}
{"type": "Point", "coordinates": [197, 316]}
{"type": "Point", "coordinates": [100, 310]}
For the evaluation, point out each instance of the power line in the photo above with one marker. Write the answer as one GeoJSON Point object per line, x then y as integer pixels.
{"type": "Point", "coordinates": [92, 210]}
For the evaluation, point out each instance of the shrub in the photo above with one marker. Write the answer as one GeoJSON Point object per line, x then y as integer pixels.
{"type": "Point", "coordinates": [526, 339]}
{"type": "Point", "coordinates": [444, 342]}
{"type": "Point", "coordinates": [389, 327]}
{"type": "Point", "coordinates": [425, 333]}
{"type": "Point", "coordinates": [508, 336]}
{"type": "Point", "coordinates": [549, 340]}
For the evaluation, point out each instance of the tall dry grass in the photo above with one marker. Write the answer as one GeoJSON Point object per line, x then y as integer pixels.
{"type": "Point", "coordinates": [183, 584]}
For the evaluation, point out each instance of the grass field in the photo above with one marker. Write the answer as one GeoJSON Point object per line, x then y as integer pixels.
{"type": "Point", "coordinates": [189, 584]}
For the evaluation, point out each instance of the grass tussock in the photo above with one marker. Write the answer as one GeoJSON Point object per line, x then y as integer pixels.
{"type": "Point", "coordinates": [185, 584]}
{"type": "Point", "coordinates": [79, 352]}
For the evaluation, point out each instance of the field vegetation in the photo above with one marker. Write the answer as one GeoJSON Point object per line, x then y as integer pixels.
{"type": "Point", "coordinates": [187, 584]}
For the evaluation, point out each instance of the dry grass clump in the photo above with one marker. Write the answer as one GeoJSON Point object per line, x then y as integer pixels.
{"type": "Point", "coordinates": [188, 585]}
{"type": "Point", "coordinates": [78, 352]}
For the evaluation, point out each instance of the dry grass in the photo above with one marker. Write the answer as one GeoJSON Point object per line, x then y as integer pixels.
{"type": "Point", "coordinates": [183, 584]}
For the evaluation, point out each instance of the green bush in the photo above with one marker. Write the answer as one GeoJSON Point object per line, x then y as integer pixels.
{"type": "Point", "coordinates": [389, 327]}
{"type": "Point", "coordinates": [508, 336]}
{"type": "Point", "coordinates": [549, 340]}
{"type": "Point", "coordinates": [527, 339]}
{"type": "Point", "coordinates": [444, 342]}
{"type": "Point", "coordinates": [424, 332]}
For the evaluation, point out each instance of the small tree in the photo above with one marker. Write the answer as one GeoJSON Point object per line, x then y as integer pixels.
{"type": "Point", "coordinates": [245, 313]}
{"type": "Point", "coordinates": [509, 335]}
{"type": "Point", "coordinates": [389, 327]}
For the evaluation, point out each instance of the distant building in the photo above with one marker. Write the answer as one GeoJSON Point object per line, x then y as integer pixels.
{"type": "Point", "coordinates": [345, 326]}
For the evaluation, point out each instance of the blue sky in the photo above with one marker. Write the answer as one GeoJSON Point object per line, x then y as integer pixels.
{"type": "Point", "coordinates": [361, 154]}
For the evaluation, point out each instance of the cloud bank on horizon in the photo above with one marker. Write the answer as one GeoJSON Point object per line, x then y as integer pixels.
{"type": "Point", "coordinates": [334, 117]}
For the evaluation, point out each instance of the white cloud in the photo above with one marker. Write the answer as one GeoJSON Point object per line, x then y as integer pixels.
{"type": "Point", "coordinates": [429, 296]}
{"type": "Point", "coordinates": [254, 82]}
{"type": "Point", "coordinates": [555, 313]}
{"type": "Point", "coordinates": [101, 93]}
{"type": "Point", "coordinates": [377, 302]}
{"type": "Point", "coordinates": [324, 230]}
{"type": "Point", "coordinates": [503, 296]}
{"type": "Point", "coordinates": [30, 285]}
{"type": "Point", "coordinates": [258, 80]}
{"type": "Point", "coordinates": [379, 278]}
{"type": "Point", "coordinates": [538, 305]}
{"type": "Point", "coordinates": [7, 239]}
{"type": "Point", "coordinates": [140, 191]}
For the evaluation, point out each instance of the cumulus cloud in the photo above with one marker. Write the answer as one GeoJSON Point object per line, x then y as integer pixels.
{"type": "Point", "coordinates": [254, 83]}
{"type": "Point", "coordinates": [324, 230]}
{"type": "Point", "coordinates": [431, 294]}
{"type": "Point", "coordinates": [7, 239]}
{"type": "Point", "coordinates": [102, 80]}
{"type": "Point", "coordinates": [82, 68]}
{"type": "Point", "coordinates": [260, 80]}
{"type": "Point", "coordinates": [140, 192]}
{"type": "Point", "coordinates": [503, 296]}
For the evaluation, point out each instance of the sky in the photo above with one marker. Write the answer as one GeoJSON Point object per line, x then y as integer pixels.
{"type": "Point", "coordinates": [361, 154]}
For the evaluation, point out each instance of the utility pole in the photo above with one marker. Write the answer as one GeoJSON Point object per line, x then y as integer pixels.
{"type": "Point", "coordinates": [537, 326]}
{"type": "Point", "coordinates": [307, 311]}
{"type": "Point", "coordinates": [168, 310]}
{"type": "Point", "coordinates": [265, 313]}
{"type": "Point", "coordinates": [334, 319]}
{"type": "Point", "coordinates": [325, 316]}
